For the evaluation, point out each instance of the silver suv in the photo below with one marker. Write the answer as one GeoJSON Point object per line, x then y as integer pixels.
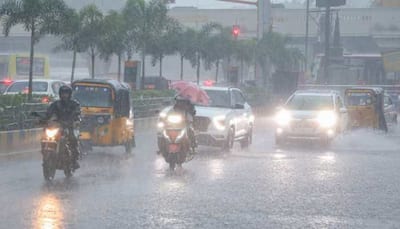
{"type": "Point", "coordinates": [311, 115]}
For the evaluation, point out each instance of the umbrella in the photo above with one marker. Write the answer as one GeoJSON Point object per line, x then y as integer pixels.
{"type": "Point", "coordinates": [191, 91]}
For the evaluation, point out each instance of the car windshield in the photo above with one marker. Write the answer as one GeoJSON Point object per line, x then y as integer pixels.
{"type": "Point", "coordinates": [358, 99]}
{"type": "Point", "coordinates": [90, 96]}
{"type": "Point", "coordinates": [219, 98]}
{"type": "Point", "coordinates": [22, 87]}
{"type": "Point", "coordinates": [310, 102]}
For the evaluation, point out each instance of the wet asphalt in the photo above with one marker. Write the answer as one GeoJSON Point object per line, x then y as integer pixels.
{"type": "Point", "coordinates": [353, 184]}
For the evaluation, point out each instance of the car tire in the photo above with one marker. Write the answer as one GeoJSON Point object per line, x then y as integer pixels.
{"type": "Point", "coordinates": [247, 140]}
{"type": "Point", "coordinates": [228, 144]}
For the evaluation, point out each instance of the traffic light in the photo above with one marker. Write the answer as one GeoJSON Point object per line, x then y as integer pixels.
{"type": "Point", "coordinates": [235, 31]}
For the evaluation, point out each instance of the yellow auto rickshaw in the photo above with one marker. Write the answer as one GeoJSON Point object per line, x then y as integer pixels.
{"type": "Point", "coordinates": [365, 106]}
{"type": "Point", "coordinates": [107, 117]}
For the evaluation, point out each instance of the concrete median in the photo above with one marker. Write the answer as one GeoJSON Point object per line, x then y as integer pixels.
{"type": "Point", "coordinates": [29, 140]}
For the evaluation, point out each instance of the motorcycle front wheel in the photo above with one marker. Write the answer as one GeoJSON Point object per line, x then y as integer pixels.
{"type": "Point", "coordinates": [49, 167]}
{"type": "Point", "coordinates": [172, 160]}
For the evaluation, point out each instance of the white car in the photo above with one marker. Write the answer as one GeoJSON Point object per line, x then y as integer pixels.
{"type": "Point", "coordinates": [47, 88]}
{"type": "Point", "coordinates": [311, 115]}
{"type": "Point", "coordinates": [227, 118]}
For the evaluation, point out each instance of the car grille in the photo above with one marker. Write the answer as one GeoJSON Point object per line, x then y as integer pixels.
{"type": "Point", "coordinates": [305, 123]}
{"type": "Point", "coordinates": [201, 123]}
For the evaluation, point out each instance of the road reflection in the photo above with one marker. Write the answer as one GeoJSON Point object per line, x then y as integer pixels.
{"type": "Point", "coordinates": [325, 170]}
{"type": "Point", "coordinates": [49, 214]}
{"type": "Point", "coordinates": [216, 167]}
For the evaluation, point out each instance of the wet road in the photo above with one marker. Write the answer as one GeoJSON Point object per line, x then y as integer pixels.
{"type": "Point", "coordinates": [355, 184]}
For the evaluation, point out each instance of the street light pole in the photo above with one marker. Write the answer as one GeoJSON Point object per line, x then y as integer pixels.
{"type": "Point", "coordinates": [307, 28]}
{"type": "Point", "coordinates": [327, 41]}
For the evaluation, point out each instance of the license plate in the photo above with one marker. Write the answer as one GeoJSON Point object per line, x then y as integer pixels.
{"type": "Point", "coordinates": [304, 130]}
{"type": "Point", "coordinates": [174, 148]}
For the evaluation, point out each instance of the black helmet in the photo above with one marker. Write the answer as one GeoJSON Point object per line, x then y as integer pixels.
{"type": "Point", "coordinates": [65, 89]}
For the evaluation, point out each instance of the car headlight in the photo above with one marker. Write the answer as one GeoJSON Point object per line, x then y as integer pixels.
{"type": "Point", "coordinates": [327, 119]}
{"type": "Point", "coordinates": [283, 118]}
{"type": "Point", "coordinates": [219, 122]}
{"type": "Point", "coordinates": [163, 114]}
{"type": "Point", "coordinates": [175, 119]}
{"type": "Point", "coordinates": [51, 133]}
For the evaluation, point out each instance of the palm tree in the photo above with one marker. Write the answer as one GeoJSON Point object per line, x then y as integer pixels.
{"type": "Point", "coordinates": [202, 38]}
{"type": "Point", "coordinates": [145, 21]}
{"type": "Point", "coordinates": [39, 17]}
{"type": "Point", "coordinates": [165, 43]}
{"type": "Point", "coordinates": [92, 32]}
{"type": "Point", "coordinates": [112, 41]}
{"type": "Point", "coordinates": [71, 37]}
{"type": "Point", "coordinates": [217, 47]}
{"type": "Point", "coordinates": [245, 53]}
{"type": "Point", "coordinates": [187, 47]}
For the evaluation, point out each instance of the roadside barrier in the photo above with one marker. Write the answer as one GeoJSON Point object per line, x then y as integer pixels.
{"type": "Point", "coordinates": [29, 139]}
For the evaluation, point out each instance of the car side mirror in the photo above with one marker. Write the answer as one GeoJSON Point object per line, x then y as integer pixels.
{"type": "Point", "coordinates": [239, 106]}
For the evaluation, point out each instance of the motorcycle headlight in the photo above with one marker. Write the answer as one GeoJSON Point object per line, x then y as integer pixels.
{"type": "Point", "coordinates": [175, 119]}
{"type": "Point", "coordinates": [327, 119]}
{"type": "Point", "coordinates": [219, 122]}
{"type": "Point", "coordinates": [51, 133]}
{"type": "Point", "coordinates": [283, 118]}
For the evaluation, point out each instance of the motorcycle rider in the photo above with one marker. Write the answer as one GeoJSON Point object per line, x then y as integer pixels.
{"type": "Point", "coordinates": [67, 111]}
{"type": "Point", "coordinates": [184, 105]}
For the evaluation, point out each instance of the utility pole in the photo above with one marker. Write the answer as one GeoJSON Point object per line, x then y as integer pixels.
{"type": "Point", "coordinates": [307, 34]}
{"type": "Point", "coordinates": [327, 42]}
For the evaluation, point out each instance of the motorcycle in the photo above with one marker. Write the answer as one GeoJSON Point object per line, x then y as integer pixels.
{"type": "Point", "coordinates": [55, 148]}
{"type": "Point", "coordinates": [174, 141]}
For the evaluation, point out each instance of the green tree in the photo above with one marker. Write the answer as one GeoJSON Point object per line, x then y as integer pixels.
{"type": "Point", "coordinates": [187, 47]}
{"type": "Point", "coordinates": [71, 37]}
{"type": "Point", "coordinates": [92, 32]}
{"type": "Point", "coordinates": [113, 38]}
{"type": "Point", "coordinates": [244, 51]}
{"type": "Point", "coordinates": [201, 45]}
{"type": "Point", "coordinates": [145, 21]}
{"type": "Point", "coordinates": [165, 43]}
{"type": "Point", "coordinates": [218, 46]}
{"type": "Point", "coordinates": [39, 17]}
{"type": "Point", "coordinates": [272, 49]}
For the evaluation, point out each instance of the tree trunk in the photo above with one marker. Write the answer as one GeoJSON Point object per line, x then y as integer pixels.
{"type": "Point", "coordinates": [198, 69]}
{"type": "Point", "coordinates": [181, 67]}
{"type": "Point", "coordinates": [217, 71]}
{"type": "Point", "coordinates": [143, 67]}
{"type": "Point", "coordinates": [31, 58]}
{"type": "Point", "coordinates": [93, 58]}
{"type": "Point", "coordinates": [161, 60]}
{"type": "Point", "coordinates": [73, 66]}
{"type": "Point", "coordinates": [119, 67]}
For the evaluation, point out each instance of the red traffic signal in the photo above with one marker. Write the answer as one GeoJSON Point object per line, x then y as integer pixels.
{"type": "Point", "coordinates": [235, 31]}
